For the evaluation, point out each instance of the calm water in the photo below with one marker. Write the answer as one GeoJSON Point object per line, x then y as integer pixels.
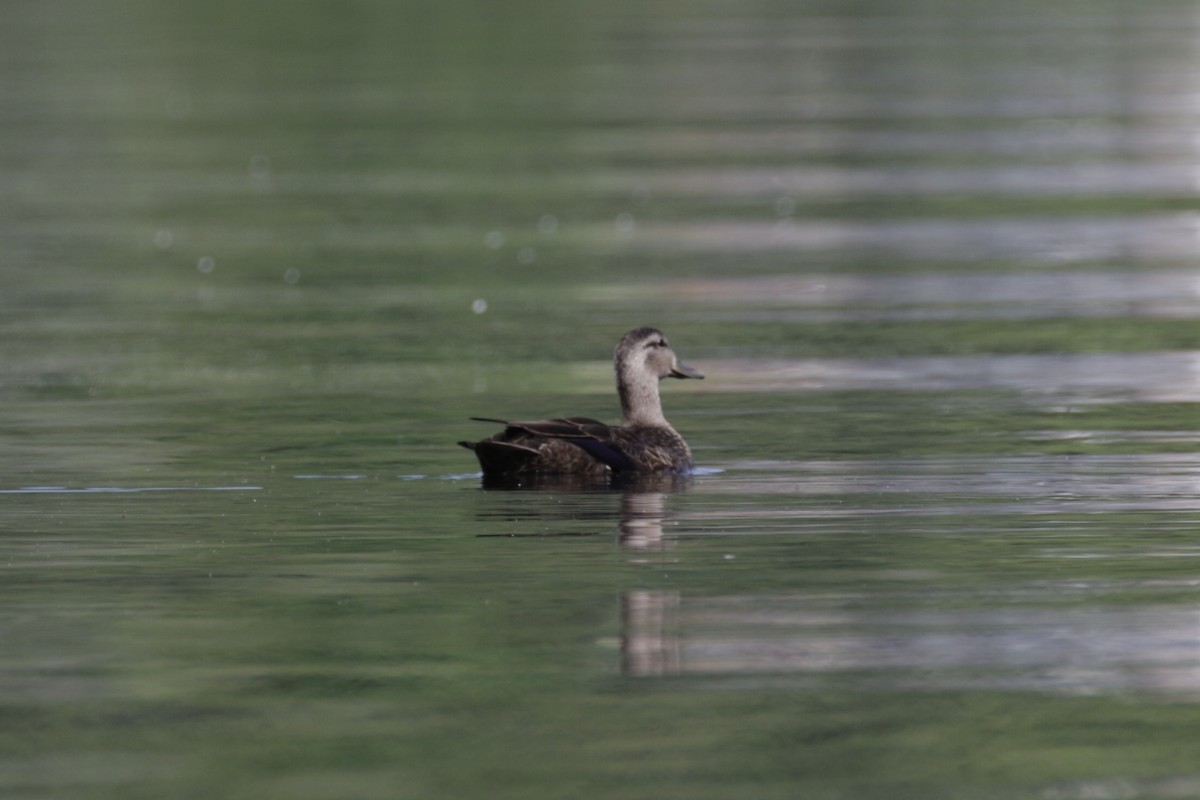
{"type": "Point", "coordinates": [259, 264]}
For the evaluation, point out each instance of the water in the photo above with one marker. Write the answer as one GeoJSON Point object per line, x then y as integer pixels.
{"type": "Point", "coordinates": [260, 265]}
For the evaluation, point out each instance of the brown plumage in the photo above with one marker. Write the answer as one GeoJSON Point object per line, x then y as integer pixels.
{"type": "Point", "coordinates": [643, 442]}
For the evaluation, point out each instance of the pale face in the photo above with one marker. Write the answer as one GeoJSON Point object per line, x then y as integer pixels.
{"type": "Point", "coordinates": [659, 359]}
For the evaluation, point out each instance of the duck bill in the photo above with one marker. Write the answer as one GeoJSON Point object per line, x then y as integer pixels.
{"type": "Point", "coordinates": [681, 370]}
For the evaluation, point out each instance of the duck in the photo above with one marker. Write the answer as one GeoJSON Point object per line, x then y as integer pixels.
{"type": "Point", "coordinates": [644, 442]}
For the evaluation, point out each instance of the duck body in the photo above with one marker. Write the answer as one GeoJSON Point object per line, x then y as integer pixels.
{"type": "Point", "coordinates": [578, 445]}
{"type": "Point", "coordinates": [644, 441]}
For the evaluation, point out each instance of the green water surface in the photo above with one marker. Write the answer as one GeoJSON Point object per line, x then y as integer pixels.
{"type": "Point", "coordinates": [260, 263]}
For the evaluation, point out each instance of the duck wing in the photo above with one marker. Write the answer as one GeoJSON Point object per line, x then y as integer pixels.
{"type": "Point", "coordinates": [592, 436]}
{"type": "Point", "coordinates": [567, 428]}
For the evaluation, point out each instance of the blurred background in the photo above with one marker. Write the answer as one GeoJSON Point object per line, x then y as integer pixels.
{"type": "Point", "coordinates": [259, 262]}
{"type": "Point", "coordinates": [268, 205]}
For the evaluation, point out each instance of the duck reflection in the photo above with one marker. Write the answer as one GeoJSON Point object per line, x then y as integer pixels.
{"type": "Point", "coordinates": [646, 482]}
{"type": "Point", "coordinates": [642, 507]}
{"type": "Point", "coordinates": [641, 521]}
{"type": "Point", "coordinates": [650, 643]}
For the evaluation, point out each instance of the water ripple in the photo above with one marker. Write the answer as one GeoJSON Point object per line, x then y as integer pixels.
{"type": "Point", "coordinates": [126, 489]}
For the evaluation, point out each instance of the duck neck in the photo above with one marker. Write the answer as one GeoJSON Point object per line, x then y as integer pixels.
{"type": "Point", "coordinates": [640, 404]}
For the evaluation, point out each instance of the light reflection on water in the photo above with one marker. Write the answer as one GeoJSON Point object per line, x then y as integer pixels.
{"type": "Point", "coordinates": [1058, 635]}
{"type": "Point", "coordinates": [945, 295]}
{"type": "Point", "coordinates": [1050, 487]}
{"type": "Point", "coordinates": [1033, 240]}
{"type": "Point", "coordinates": [1068, 377]}
{"type": "Point", "coordinates": [1034, 479]}
{"type": "Point", "coordinates": [1074, 650]}
{"type": "Point", "coordinates": [818, 182]}
{"type": "Point", "coordinates": [1052, 137]}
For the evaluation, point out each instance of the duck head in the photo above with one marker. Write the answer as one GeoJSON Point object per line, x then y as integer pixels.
{"type": "Point", "coordinates": [646, 352]}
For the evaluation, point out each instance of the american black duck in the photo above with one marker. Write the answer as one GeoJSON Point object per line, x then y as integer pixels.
{"type": "Point", "coordinates": [643, 442]}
